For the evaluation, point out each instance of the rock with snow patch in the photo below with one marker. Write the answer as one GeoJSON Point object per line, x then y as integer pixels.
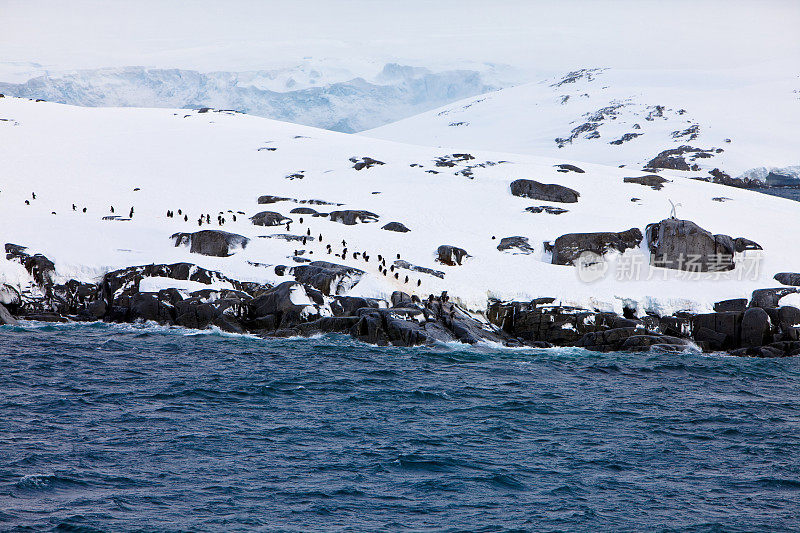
{"type": "Point", "coordinates": [330, 278]}
{"type": "Point", "coordinates": [269, 218]}
{"type": "Point", "coordinates": [547, 192]}
{"type": "Point", "coordinates": [451, 255]}
{"type": "Point", "coordinates": [515, 245]}
{"type": "Point", "coordinates": [396, 226]}
{"type": "Point", "coordinates": [211, 242]}
{"type": "Point", "coordinates": [350, 217]}
{"type": "Point", "coordinates": [567, 248]}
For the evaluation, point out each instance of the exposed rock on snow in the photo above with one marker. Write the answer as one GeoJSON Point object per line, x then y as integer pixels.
{"type": "Point", "coordinates": [330, 278]}
{"type": "Point", "coordinates": [547, 192]}
{"type": "Point", "coordinates": [651, 180]}
{"type": "Point", "coordinates": [451, 255]}
{"type": "Point", "coordinates": [270, 218]}
{"type": "Point", "coordinates": [353, 217]}
{"type": "Point", "coordinates": [211, 242]}
{"type": "Point", "coordinates": [549, 209]}
{"type": "Point", "coordinates": [566, 167]}
{"type": "Point", "coordinates": [400, 263]}
{"type": "Point", "coordinates": [567, 248]}
{"type": "Point", "coordinates": [515, 245]}
{"type": "Point", "coordinates": [683, 245]}
{"type": "Point", "coordinates": [675, 158]}
{"type": "Point", "coordinates": [364, 162]}
{"type": "Point", "coordinates": [396, 226]}
{"type": "Point", "coordinates": [788, 278]}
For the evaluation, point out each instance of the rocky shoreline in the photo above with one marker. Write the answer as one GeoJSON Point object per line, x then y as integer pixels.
{"type": "Point", "coordinates": [308, 305]}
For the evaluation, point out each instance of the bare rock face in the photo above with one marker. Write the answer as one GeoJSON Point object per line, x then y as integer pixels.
{"type": "Point", "coordinates": [515, 245]}
{"type": "Point", "coordinates": [567, 248]}
{"type": "Point", "coordinates": [788, 278]}
{"type": "Point", "coordinates": [6, 318]}
{"type": "Point", "coordinates": [547, 192]}
{"type": "Point", "coordinates": [451, 255]}
{"type": "Point", "coordinates": [396, 226]}
{"type": "Point", "coordinates": [352, 217]}
{"type": "Point", "coordinates": [683, 245]}
{"type": "Point", "coordinates": [329, 278]}
{"type": "Point", "coordinates": [269, 218]}
{"type": "Point", "coordinates": [211, 242]}
{"type": "Point", "coordinates": [654, 181]}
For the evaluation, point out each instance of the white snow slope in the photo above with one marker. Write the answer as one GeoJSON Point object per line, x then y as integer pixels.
{"type": "Point", "coordinates": [157, 159]}
{"type": "Point", "coordinates": [752, 114]}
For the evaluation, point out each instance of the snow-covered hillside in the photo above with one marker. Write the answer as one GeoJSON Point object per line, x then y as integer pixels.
{"type": "Point", "coordinates": [321, 95]}
{"type": "Point", "coordinates": [741, 119]}
{"type": "Point", "coordinates": [218, 164]}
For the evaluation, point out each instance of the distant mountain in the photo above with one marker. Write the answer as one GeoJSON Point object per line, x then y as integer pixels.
{"type": "Point", "coordinates": [304, 95]}
{"type": "Point", "coordinates": [715, 124]}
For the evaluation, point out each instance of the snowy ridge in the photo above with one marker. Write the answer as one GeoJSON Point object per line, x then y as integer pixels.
{"type": "Point", "coordinates": [744, 118]}
{"type": "Point", "coordinates": [215, 163]}
{"type": "Point", "coordinates": [327, 97]}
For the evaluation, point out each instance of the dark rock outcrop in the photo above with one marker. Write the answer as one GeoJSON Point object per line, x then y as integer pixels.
{"type": "Point", "coordinates": [788, 278]}
{"type": "Point", "coordinates": [329, 278]}
{"type": "Point", "coordinates": [451, 255]}
{"type": "Point", "coordinates": [211, 242]}
{"type": "Point", "coordinates": [269, 218]}
{"type": "Point", "coordinates": [651, 180]}
{"type": "Point", "coordinates": [396, 226]}
{"type": "Point", "coordinates": [352, 217]}
{"type": "Point", "coordinates": [683, 245]}
{"type": "Point", "coordinates": [547, 192]}
{"type": "Point", "coordinates": [414, 268]}
{"type": "Point", "coordinates": [567, 248]}
{"type": "Point", "coordinates": [566, 167]}
{"type": "Point", "coordinates": [6, 318]}
{"type": "Point", "coordinates": [515, 245]}
{"type": "Point", "coordinates": [549, 209]}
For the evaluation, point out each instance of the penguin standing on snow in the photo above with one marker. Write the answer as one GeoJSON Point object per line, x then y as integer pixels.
{"type": "Point", "coordinates": [130, 215]}
{"type": "Point", "coordinates": [112, 208]}
{"type": "Point", "coordinates": [73, 207]}
{"type": "Point", "coordinates": [186, 218]}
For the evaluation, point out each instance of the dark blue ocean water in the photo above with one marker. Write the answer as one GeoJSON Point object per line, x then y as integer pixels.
{"type": "Point", "coordinates": [136, 428]}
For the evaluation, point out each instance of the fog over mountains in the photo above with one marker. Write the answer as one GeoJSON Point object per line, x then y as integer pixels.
{"type": "Point", "coordinates": [327, 98]}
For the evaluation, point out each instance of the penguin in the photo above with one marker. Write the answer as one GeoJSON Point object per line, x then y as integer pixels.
{"type": "Point", "coordinates": [234, 218]}
{"type": "Point", "coordinates": [397, 275]}
{"type": "Point", "coordinates": [344, 243]}
{"type": "Point", "coordinates": [84, 209]}
{"type": "Point", "coordinates": [398, 256]}
{"type": "Point", "coordinates": [33, 194]}
{"type": "Point", "coordinates": [112, 208]}
{"type": "Point", "coordinates": [28, 202]}
{"type": "Point", "coordinates": [287, 226]}
{"type": "Point", "coordinates": [320, 237]}
{"type": "Point", "coordinates": [355, 255]}
{"type": "Point", "coordinates": [301, 221]}
{"type": "Point", "coordinates": [199, 221]}
{"type": "Point", "coordinates": [380, 258]}
{"type": "Point", "coordinates": [493, 237]}
{"type": "Point", "coordinates": [391, 267]}
{"type": "Point", "coordinates": [130, 215]}
{"type": "Point", "coordinates": [73, 207]}
{"type": "Point", "coordinates": [308, 231]}
{"type": "Point", "coordinates": [419, 282]}
{"type": "Point", "coordinates": [406, 279]}
{"type": "Point", "coordinates": [208, 217]}
{"type": "Point", "coordinates": [186, 218]}
{"type": "Point", "coordinates": [52, 212]}
{"type": "Point", "coordinates": [179, 212]}
{"type": "Point", "coordinates": [304, 241]}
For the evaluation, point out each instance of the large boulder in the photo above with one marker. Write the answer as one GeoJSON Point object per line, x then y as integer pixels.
{"type": "Point", "coordinates": [269, 218]}
{"type": "Point", "coordinates": [548, 192]}
{"type": "Point", "coordinates": [755, 327]}
{"type": "Point", "coordinates": [515, 245]}
{"type": "Point", "coordinates": [396, 226]}
{"type": "Point", "coordinates": [770, 298]}
{"type": "Point", "coordinates": [287, 305]}
{"type": "Point", "coordinates": [567, 248]}
{"type": "Point", "coordinates": [788, 278]}
{"type": "Point", "coordinates": [451, 255]}
{"type": "Point", "coordinates": [330, 278]}
{"type": "Point", "coordinates": [211, 242]}
{"type": "Point", "coordinates": [683, 245]}
{"type": "Point", "coordinates": [350, 217]}
{"type": "Point", "coordinates": [6, 318]}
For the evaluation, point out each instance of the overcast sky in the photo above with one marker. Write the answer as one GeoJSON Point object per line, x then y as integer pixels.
{"type": "Point", "coordinates": [248, 34]}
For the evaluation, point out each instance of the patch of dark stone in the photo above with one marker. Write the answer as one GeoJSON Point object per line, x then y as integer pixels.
{"type": "Point", "coordinates": [653, 181]}
{"type": "Point", "coordinates": [675, 158]}
{"type": "Point", "coordinates": [267, 149]}
{"type": "Point", "coordinates": [452, 160]}
{"type": "Point", "coordinates": [683, 245]}
{"type": "Point", "coordinates": [547, 192]}
{"type": "Point", "coordinates": [566, 167]}
{"type": "Point", "coordinates": [350, 217]}
{"type": "Point", "coordinates": [567, 248]}
{"type": "Point", "coordinates": [626, 137]}
{"type": "Point", "coordinates": [269, 218]}
{"type": "Point", "coordinates": [269, 199]}
{"type": "Point", "coordinates": [400, 263]}
{"type": "Point", "coordinates": [788, 278]}
{"type": "Point", "coordinates": [396, 226]}
{"type": "Point", "coordinates": [549, 209]}
{"type": "Point", "coordinates": [288, 237]}
{"type": "Point", "coordinates": [117, 218]}
{"type": "Point", "coordinates": [329, 278]}
{"type": "Point", "coordinates": [451, 255]}
{"type": "Point", "coordinates": [307, 211]}
{"type": "Point", "coordinates": [720, 199]}
{"type": "Point", "coordinates": [364, 162]}
{"type": "Point", "coordinates": [296, 176]}
{"type": "Point", "coordinates": [211, 242]}
{"type": "Point", "coordinates": [515, 245]}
